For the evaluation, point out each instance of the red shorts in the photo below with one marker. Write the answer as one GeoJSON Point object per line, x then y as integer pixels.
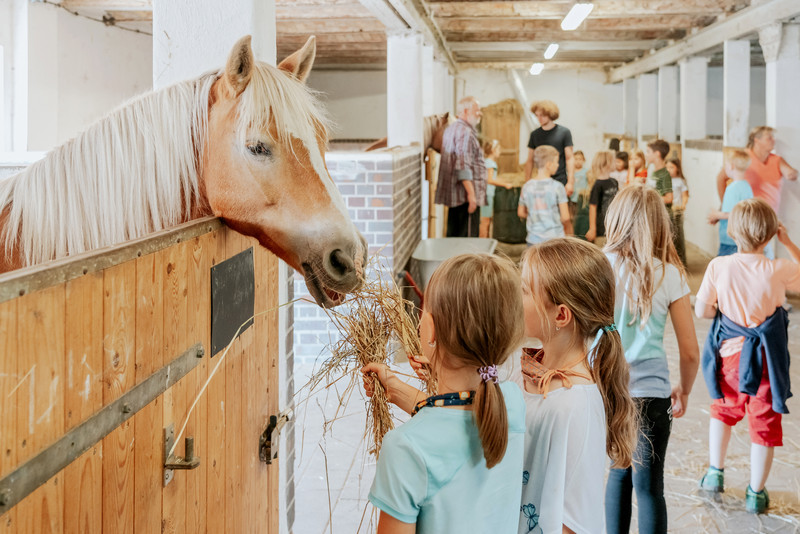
{"type": "Point", "coordinates": [765, 423]}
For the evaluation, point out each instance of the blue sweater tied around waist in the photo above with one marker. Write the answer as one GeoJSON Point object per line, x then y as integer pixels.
{"type": "Point", "coordinates": [770, 338]}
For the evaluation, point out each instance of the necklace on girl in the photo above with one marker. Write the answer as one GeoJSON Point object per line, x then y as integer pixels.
{"type": "Point", "coordinates": [534, 371]}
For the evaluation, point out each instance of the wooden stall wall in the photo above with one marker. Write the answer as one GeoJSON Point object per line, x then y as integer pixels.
{"type": "Point", "coordinates": [70, 349]}
{"type": "Point", "coordinates": [501, 121]}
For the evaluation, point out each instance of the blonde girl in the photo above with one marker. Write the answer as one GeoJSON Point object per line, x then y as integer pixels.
{"type": "Point", "coordinates": [491, 153]}
{"type": "Point", "coordinates": [651, 285]}
{"type": "Point", "coordinates": [581, 224]}
{"type": "Point", "coordinates": [637, 170]}
{"type": "Point", "coordinates": [429, 478]}
{"type": "Point", "coordinates": [575, 388]}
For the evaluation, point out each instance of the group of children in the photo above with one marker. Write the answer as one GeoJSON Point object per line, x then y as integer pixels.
{"type": "Point", "coordinates": [491, 455]}
{"type": "Point", "coordinates": [549, 213]}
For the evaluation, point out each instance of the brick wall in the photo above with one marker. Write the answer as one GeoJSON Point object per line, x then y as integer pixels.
{"type": "Point", "coordinates": [383, 193]}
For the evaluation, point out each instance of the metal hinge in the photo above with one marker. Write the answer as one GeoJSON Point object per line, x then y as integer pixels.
{"type": "Point", "coordinates": [268, 443]}
{"type": "Point", "coordinates": [171, 462]}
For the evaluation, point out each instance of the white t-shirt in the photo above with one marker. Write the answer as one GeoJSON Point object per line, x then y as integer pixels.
{"type": "Point", "coordinates": [644, 346]}
{"type": "Point", "coordinates": [564, 464]}
{"type": "Point", "coordinates": [620, 176]}
{"type": "Point", "coordinates": [678, 187]}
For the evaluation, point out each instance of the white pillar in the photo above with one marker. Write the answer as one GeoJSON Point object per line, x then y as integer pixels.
{"type": "Point", "coordinates": [647, 115]}
{"type": "Point", "coordinates": [630, 108]}
{"type": "Point", "coordinates": [19, 83]}
{"type": "Point", "coordinates": [191, 37]}
{"type": "Point", "coordinates": [404, 88]}
{"type": "Point", "coordinates": [428, 95]}
{"type": "Point", "coordinates": [39, 92]}
{"type": "Point", "coordinates": [668, 103]}
{"type": "Point", "coordinates": [693, 94]}
{"type": "Point", "coordinates": [736, 92]}
{"type": "Point", "coordinates": [781, 46]}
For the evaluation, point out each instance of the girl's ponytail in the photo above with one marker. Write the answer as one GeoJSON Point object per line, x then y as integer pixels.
{"type": "Point", "coordinates": [489, 409]}
{"type": "Point", "coordinates": [611, 374]}
{"type": "Point", "coordinates": [476, 305]}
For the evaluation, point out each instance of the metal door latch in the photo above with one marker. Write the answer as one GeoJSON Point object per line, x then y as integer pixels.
{"type": "Point", "coordinates": [172, 462]}
{"type": "Point", "coordinates": [268, 443]}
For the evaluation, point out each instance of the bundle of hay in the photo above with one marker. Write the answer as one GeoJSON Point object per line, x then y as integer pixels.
{"type": "Point", "coordinates": [376, 323]}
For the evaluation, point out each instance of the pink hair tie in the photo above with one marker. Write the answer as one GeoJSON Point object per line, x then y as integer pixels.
{"type": "Point", "coordinates": [488, 373]}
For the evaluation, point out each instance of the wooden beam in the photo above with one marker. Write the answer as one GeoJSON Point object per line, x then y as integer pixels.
{"type": "Point", "coordinates": [298, 39]}
{"type": "Point", "coordinates": [115, 5]}
{"type": "Point", "coordinates": [653, 22]}
{"type": "Point", "coordinates": [540, 46]}
{"type": "Point", "coordinates": [558, 36]}
{"type": "Point", "coordinates": [384, 12]}
{"type": "Point", "coordinates": [741, 23]}
{"type": "Point", "coordinates": [525, 65]}
{"type": "Point", "coordinates": [354, 10]}
{"type": "Point", "coordinates": [321, 26]}
{"type": "Point", "coordinates": [556, 9]}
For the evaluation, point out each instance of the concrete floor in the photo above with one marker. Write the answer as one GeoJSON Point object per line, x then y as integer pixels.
{"type": "Point", "coordinates": [334, 474]}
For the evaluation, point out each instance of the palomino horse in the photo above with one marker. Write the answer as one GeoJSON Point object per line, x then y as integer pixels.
{"type": "Point", "coordinates": [245, 144]}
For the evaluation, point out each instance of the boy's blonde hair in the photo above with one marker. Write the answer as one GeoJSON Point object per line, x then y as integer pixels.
{"type": "Point", "coordinates": [476, 305]}
{"type": "Point", "coordinates": [603, 162]}
{"type": "Point", "coordinates": [587, 289]}
{"type": "Point", "coordinates": [638, 230]}
{"type": "Point", "coordinates": [752, 223]}
{"type": "Point", "coordinates": [739, 159]}
{"type": "Point", "coordinates": [548, 107]}
{"type": "Point", "coordinates": [544, 154]}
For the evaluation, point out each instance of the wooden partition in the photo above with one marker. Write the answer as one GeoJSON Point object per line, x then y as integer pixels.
{"type": "Point", "coordinates": [78, 334]}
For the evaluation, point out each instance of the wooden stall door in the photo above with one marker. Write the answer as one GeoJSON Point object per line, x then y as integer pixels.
{"type": "Point", "coordinates": [72, 348]}
{"type": "Point", "coordinates": [501, 121]}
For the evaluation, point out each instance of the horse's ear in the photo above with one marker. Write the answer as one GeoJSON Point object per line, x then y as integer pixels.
{"type": "Point", "coordinates": [299, 64]}
{"type": "Point", "coordinates": [240, 63]}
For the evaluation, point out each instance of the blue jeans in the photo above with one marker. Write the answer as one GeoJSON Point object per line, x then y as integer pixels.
{"type": "Point", "coordinates": [727, 250]}
{"type": "Point", "coordinates": [647, 478]}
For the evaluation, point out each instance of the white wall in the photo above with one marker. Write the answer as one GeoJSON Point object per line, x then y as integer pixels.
{"type": "Point", "coordinates": [758, 110]}
{"type": "Point", "coordinates": [79, 70]}
{"type": "Point", "coordinates": [589, 107]}
{"type": "Point", "coordinates": [356, 101]}
{"type": "Point", "coordinates": [700, 168]}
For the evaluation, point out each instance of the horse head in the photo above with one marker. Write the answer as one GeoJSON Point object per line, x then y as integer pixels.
{"type": "Point", "coordinates": [264, 170]}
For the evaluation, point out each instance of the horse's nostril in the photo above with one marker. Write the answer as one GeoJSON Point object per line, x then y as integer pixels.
{"type": "Point", "coordinates": [340, 264]}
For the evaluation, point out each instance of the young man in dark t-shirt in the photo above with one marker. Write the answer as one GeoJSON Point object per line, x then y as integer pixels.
{"type": "Point", "coordinates": [656, 153]}
{"type": "Point", "coordinates": [555, 135]}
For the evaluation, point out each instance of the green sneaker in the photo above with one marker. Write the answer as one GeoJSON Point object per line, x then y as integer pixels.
{"type": "Point", "coordinates": [756, 503]}
{"type": "Point", "coordinates": [713, 480]}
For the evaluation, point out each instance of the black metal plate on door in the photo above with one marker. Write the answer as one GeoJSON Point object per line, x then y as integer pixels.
{"type": "Point", "coordinates": [233, 289]}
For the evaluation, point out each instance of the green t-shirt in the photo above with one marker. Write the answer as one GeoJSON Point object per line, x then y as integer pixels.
{"type": "Point", "coordinates": [663, 182]}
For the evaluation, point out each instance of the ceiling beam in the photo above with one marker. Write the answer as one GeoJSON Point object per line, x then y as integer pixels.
{"type": "Point", "coordinates": [742, 22]}
{"type": "Point", "coordinates": [387, 14]}
{"type": "Point", "coordinates": [558, 36]}
{"type": "Point", "coordinates": [556, 9]}
{"type": "Point", "coordinates": [525, 65]}
{"type": "Point", "coordinates": [112, 5]}
{"type": "Point", "coordinates": [653, 22]}
{"type": "Point", "coordinates": [419, 18]}
{"type": "Point", "coordinates": [538, 46]}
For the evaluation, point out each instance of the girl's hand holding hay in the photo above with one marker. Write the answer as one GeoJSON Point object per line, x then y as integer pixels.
{"type": "Point", "coordinates": [402, 395]}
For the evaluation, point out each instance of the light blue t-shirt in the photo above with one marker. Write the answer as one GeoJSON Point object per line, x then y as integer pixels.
{"type": "Point", "coordinates": [432, 472]}
{"type": "Point", "coordinates": [581, 183]}
{"type": "Point", "coordinates": [736, 192]}
{"type": "Point", "coordinates": [644, 345]}
{"type": "Point", "coordinates": [541, 198]}
{"type": "Point", "coordinates": [488, 209]}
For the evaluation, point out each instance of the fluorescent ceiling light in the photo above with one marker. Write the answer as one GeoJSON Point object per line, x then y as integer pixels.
{"type": "Point", "coordinates": [552, 48]}
{"type": "Point", "coordinates": [576, 16]}
{"type": "Point", "coordinates": [537, 68]}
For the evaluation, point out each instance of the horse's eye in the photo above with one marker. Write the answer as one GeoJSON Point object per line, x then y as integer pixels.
{"type": "Point", "coordinates": [259, 149]}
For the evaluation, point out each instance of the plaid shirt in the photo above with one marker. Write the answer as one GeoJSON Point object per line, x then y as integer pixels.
{"type": "Point", "coordinates": [460, 150]}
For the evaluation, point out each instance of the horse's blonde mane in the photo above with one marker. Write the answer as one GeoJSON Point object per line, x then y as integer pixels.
{"type": "Point", "coordinates": [136, 171]}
